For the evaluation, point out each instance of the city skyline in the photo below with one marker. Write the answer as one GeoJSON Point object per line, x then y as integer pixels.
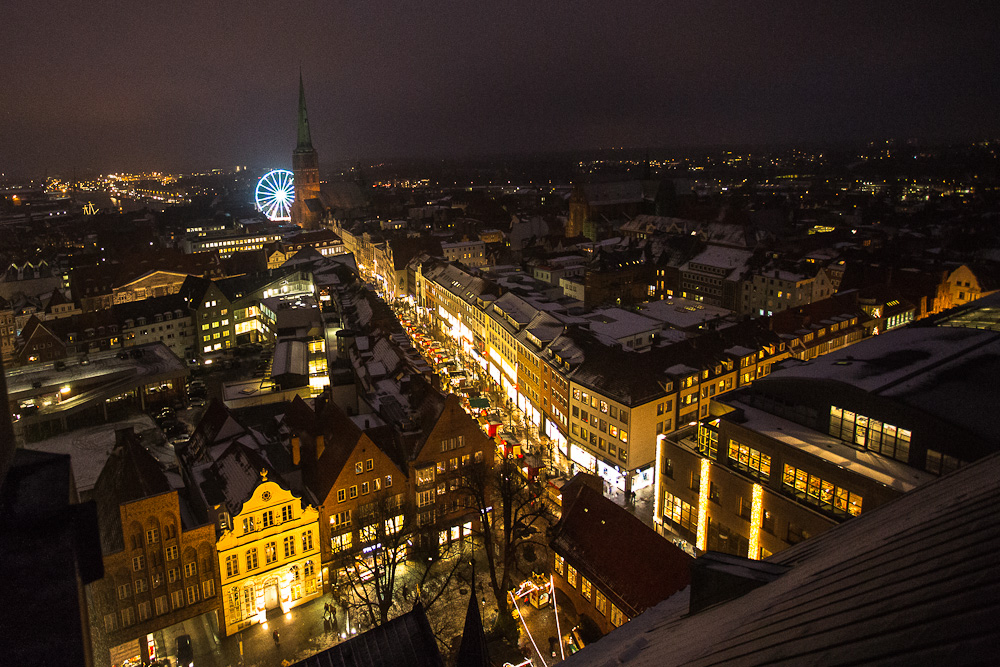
{"type": "Point", "coordinates": [216, 87]}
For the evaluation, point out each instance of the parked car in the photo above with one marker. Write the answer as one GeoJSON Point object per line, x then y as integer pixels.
{"type": "Point", "coordinates": [197, 402]}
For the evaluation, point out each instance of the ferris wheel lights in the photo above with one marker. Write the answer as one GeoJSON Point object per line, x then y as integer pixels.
{"type": "Point", "coordinates": [275, 194]}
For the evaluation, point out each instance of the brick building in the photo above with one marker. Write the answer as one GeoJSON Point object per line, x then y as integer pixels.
{"type": "Point", "coordinates": [159, 562]}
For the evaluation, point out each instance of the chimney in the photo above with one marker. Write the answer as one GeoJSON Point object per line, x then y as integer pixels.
{"type": "Point", "coordinates": [296, 450]}
{"type": "Point", "coordinates": [319, 446]}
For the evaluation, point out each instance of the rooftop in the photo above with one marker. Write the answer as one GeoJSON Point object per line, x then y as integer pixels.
{"type": "Point", "coordinates": [915, 581]}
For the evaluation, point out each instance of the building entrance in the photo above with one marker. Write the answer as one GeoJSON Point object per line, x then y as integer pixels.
{"type": "Point", "coordinates": [271, 599]}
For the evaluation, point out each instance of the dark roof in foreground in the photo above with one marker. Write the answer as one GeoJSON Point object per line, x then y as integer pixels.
{"type": "Point", "coordinates": [620, 554]}
{"type": "Point", "coordinates": [913, 582]}
{"type": "Point", "coordinates": [405, 641]}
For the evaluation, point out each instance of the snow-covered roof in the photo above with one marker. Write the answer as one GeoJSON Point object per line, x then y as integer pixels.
{"type": "Point", "coordinates": [682, 313]}
{"type": "Point", "coordinates": [618, 323]}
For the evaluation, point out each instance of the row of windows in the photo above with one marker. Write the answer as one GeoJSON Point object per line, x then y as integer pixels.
{"type": "Point", "coordinates": [178, 599]}
{"type": "Point", "coordinates": [750, 460]}
{"type": "Point", "coordinates": [142, 585]}
{"type": "Point", "coordinates": [453, 443]}
{"type": "Point", "coordinates": [266, 519]}
{"type": "Point", "coordinates": [251, 558]}
{"type": "Point", "coordinates": [821, 492]}
{"type": "Point", "coordinates": [365, 487]}
{"type": "Point", "coordinates": [601, 443]}
{"type": "Point", "coordinates": [586, 589]}
{"type": "Point", "coordinates": [871, 434]}
{"type": "Point", "coordinates": [594, 402]}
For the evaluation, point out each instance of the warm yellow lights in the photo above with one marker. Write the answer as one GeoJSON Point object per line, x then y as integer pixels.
{"type": "Point", "coordinates": [703, 491]}
{"type": "Point", "coordinates": [656, 480]}
{"type": "Point", "coordinates": [756, 518]}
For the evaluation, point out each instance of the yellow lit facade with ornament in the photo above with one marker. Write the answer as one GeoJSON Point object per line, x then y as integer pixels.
{"type": "Point", "coordinates": [269, 558]}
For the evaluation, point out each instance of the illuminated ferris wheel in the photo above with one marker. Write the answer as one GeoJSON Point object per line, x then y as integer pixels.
{"type": "Point", "coordinates": [275, 194]}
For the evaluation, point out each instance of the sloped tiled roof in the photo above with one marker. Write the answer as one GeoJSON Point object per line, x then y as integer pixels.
{"type": "Point", "coordinates": [913, 582]}
{"type": "Point", "coordinates": [130, 473]}
{"type": "Point", "coordinates": [405, 641]}
{"type": "Point", "coordinates": [625, 558]}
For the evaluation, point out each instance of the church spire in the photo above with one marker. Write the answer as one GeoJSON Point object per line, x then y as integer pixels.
{"type": "Point", "coordinates": [305, 140]}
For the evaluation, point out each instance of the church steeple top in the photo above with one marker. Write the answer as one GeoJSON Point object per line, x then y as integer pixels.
{"type": "Point", "coordinates": [305, 140]}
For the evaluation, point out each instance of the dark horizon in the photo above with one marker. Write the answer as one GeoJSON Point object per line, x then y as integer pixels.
{"type": "Point", "coordinates": [216, 87]}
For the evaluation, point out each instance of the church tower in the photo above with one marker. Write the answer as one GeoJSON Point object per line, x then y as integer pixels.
{"type": "Point", "coordinates": [305, 168]}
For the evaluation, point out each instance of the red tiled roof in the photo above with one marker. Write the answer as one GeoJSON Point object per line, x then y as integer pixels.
{"type": "Point", "coordinates": [622, 556]}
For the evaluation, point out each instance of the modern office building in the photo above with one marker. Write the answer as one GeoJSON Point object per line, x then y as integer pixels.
{"type": "Point", "coordinates": [819, 442]}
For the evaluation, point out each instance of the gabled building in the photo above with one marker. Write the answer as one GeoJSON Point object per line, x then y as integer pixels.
{"type": "Point", "coordinates": [37, 343]}
{"type": "Point", "coordinates": [353, 479]}
{"type": "Point", "coordinates": [160, 563]}
{"type": "Point", "coordinates": [602, 583]}
{"type": "Point", "coordinates": [164, 318]}
{"type": "Point", "coordinates": [212, 315]}
{"type": "Point", "coordinates": [268, 528]}
{"type": "Point", "coordinates": [774, 289]}
{"type": "Point", "coordinates": [269, 554]}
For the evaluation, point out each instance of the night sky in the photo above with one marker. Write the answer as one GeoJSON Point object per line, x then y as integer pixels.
{"type": "Point", "coordinates": [193, 84]}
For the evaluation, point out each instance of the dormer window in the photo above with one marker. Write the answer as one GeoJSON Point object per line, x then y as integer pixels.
{"type": "Point", "coordinates": [129, 324]}
{"type": "Point", "coordinates": [157, 318]}
{"type": "Point", "coordinates": [142, 321]}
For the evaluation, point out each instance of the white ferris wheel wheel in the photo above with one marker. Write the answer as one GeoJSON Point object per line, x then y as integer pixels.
{"type": "Point", "coordinates": [275, 194]}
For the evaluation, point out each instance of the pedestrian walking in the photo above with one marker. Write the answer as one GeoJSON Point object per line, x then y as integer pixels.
{"type": "Point", "coordinates": [406, 592]}
{"type": "Point", "coordinates": [277, 639]}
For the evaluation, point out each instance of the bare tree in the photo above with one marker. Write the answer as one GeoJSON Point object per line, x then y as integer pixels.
{"type": "Point", "coordinates": [386, 526]}
{"type": "Point", "coordinates": [509, 507]}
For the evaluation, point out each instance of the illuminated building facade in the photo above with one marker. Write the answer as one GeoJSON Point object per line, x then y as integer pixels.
{"type": "Point", "coordinates": [819, 442]}
{"type": "Point", "coordinates": [355, 481]}
{"type": "Point", "coordinates": [159, 561]}
{"type": "Point", "coordinates": [268, 555]}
